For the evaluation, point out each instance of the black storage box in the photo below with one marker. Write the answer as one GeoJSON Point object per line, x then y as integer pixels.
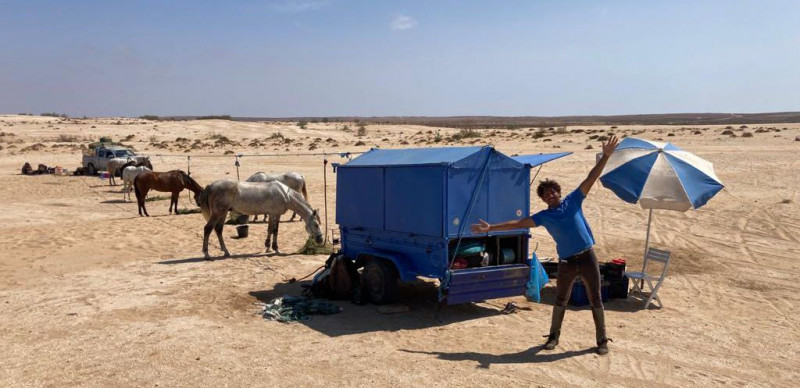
{"type": "Point", "coordinates": [618, 287]}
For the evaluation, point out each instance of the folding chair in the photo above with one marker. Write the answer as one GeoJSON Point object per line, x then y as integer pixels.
{"type": "Point", "coordinates": [637, 277]}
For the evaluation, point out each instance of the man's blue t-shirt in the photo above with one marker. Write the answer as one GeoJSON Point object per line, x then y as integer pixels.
{"type": "Point", "coordinates": [567, 225]}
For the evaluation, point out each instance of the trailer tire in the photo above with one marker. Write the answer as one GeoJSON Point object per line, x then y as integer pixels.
{"type": "Point", "coordinates": [91, 170]}
{"type": "Point", "coordinates": [380, 281]}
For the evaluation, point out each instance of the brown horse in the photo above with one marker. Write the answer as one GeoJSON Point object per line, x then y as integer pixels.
{"type": "Point", "coordinates": [171, 181]}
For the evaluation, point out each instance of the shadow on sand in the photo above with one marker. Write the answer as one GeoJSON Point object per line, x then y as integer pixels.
{"type": "Point", "coordinates": [485, 360]}
{"type": "Point", "coordinates": [420, 298]}
{"type": "Point", "coordinates": [116, 201]}
{"type": "Point", "coordinates": [217, 258]}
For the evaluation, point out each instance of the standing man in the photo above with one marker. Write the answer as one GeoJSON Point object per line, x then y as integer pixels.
{"type": "Point", "coordinates": [565, 222]}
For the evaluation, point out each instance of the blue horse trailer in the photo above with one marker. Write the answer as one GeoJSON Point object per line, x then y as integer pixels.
{"type": "Point", "coordinates": [406, 213]}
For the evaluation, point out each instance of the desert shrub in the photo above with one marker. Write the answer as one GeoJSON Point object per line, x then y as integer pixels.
{"type": "Point", "coordinates": [65, 138]}
{"type": "Point", "coordinates": [302, 124]}
{"type": "Point", "coordinates": [727, 132]}
{"type": "Point", "coordinates": [276, 135]}
{"type": "Point", "coordinates": [437, 137]}
{"type": "Point", "coordinates": [466, 133]}
{"type": "Point", "coordinates": [362, 130]}
{"type": "Point", "coordinates": [129, 137]}
{"type": "Point", "coordinates": [747, 134]}
{"type": "Point", "coordinates": [150, 117]}
{"type": "Point", "coordinates": [360, 143]}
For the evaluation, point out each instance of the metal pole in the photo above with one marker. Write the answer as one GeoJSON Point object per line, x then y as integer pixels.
{"type": "Point", "coordinates": [189, 165]}
{"type": "Point", "coordinates": [325, 185]}
{"type": "Point", "coordinates": [646, 243]}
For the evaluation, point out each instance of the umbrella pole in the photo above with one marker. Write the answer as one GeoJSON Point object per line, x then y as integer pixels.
{"type": "Point", "coordinates": [646, 243]}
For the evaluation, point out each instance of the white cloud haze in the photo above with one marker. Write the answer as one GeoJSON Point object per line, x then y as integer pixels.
{"type": "Point", "coordinates": [403, 22]}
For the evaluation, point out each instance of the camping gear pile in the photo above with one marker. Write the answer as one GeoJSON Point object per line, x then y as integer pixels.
{"type": "Point", "coordinates": [40, 170]}
{"type": "Point", "coordinates": [613, 284]}
{"type": "Point", "coordinates": [295, 309]}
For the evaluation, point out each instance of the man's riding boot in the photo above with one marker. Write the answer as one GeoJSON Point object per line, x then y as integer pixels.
{"type": "Point", "coordinates": [555, 327]}
{"type": "Point", "coordinates": [600, 328]}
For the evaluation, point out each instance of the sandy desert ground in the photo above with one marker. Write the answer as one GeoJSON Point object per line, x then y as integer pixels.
{"type": "Point", "coordinates": [93, 295]}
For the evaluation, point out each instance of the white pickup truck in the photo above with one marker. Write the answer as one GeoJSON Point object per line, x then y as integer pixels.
{"type": "Point", "coordinates": [96, 159]}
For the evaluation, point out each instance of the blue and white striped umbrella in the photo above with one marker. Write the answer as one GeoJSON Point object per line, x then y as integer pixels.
{"type": "Point", "coordinates": [659, 175]}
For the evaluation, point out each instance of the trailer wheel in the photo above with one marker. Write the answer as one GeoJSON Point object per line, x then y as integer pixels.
{"type": "Point", "coordinates": [91, 170]}
{"type": "Point", "coordinates": [380, 281]}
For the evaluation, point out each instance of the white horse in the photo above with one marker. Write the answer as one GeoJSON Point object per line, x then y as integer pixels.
{"type": "Point", "coordinates": [294, 180]}
{"type": "Point", "coordinates": [271, 198]}
{"type": "Point", "coordinates": [128, 175]}
{"type": "Point", "coordinates": [113, 167]}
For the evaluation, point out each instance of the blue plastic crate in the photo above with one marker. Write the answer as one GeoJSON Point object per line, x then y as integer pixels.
{"type": "Point", "coordinates": [579, 297]}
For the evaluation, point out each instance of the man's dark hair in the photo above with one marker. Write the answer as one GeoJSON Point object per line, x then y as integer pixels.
{"type": "Point", "coordinates": [547, 184]}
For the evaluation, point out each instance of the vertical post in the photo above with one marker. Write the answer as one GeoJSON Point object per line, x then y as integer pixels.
{"type": "Point", "coordinates": [325, 188]}
{"type": "Point", "coordinates": [189, 165]}
{"type": "Point", "coordinates": [237, 167]}
{"type": "Point", "coordinates": [646, 244]}
{"type": "Point", "coordinates": [647, 239]}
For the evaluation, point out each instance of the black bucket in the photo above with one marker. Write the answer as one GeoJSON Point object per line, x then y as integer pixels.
{"type": "Point", "coordinates": [242, 230]}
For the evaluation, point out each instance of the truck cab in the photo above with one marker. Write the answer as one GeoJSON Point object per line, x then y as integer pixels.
{"type": "Point", "coordinates": [96, 157]}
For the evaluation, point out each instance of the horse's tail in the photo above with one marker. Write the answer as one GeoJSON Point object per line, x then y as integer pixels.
{"type": "Point", "coordinates": [136, 188]}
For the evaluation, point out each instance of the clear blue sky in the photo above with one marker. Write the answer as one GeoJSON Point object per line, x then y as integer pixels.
{"type": "Point", "coordinates": [371, 57]}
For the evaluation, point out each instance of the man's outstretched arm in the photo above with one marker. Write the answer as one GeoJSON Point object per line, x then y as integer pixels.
{"type": "Point", "coordinates": [608, 149]}
{"type": "Point", "coordinates": [485, 227]}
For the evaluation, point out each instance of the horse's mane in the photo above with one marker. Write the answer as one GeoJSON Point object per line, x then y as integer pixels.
{"type": "Point", "coordinates": [189, 182]}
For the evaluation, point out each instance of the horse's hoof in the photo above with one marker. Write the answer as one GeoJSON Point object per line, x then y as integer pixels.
{"type": "Point", "coordinates": [227, 254]}
{"type": "Point", "coordinates": [208, 257]}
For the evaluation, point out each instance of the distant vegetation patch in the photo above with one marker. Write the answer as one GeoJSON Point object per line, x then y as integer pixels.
{"type": "Point", "coordinates": [51, 114]}
{"type": "Point", "coordinates": [217, 117]}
